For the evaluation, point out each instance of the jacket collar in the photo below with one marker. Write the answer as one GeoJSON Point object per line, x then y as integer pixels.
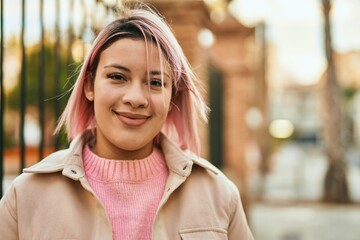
{"type": "Point", "coordinates": [180, 161]}
{"type": "Point", "coordinates": [69, 161]}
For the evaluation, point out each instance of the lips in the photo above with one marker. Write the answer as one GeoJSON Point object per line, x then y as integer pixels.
{"type": "Point", "coordinates": [131, 119]}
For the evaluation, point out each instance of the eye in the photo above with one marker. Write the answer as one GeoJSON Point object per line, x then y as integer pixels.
{"type": "Point", "coordinates": [115, 76]}
{"type": "Point", "coordinates": [156, 83]}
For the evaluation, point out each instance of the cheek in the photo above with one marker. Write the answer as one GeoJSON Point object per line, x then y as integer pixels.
{"type": "Point", "coordinates": [102, 88]}
{"type": "Point", "coordinates": [105, 93]}
{"type": "Point", "coordinates": [160, 109]}
{"type": "Point", "coordinates": [162, 105]}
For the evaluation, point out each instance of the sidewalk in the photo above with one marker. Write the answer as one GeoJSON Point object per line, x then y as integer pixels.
{"type": "Point", "coordinates": [305, 222]}
{"type": "Point", "coordinates": [292, 191]}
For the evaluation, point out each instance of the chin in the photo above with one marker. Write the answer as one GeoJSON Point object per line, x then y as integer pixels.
{"type": "Point", "coordinates": [130, 146]}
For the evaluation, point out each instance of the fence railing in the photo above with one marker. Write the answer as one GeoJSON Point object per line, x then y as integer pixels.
{"type": "Point", "coordinates": [46, 63]}
{"type": "Point", "coordinates": [2, 97]}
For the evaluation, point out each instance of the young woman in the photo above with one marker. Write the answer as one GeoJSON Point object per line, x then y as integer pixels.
{"type": "Point", "coordinates": [132, 170]}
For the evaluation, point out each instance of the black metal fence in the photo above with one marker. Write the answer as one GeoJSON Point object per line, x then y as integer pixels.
{"type": "Point", "coordinates": [2, 97]}
{"type": "Point", "coordinates": [47, 66]}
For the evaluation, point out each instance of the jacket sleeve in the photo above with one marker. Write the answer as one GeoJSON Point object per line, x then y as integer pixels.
{"type": "Point", "coordinates": [8, 216]}
{"type": "Point", "coordinates": [238, 227]}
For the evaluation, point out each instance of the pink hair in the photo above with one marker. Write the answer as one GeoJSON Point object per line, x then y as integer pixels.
{"type": "Point", "coordinates": [181, 122]}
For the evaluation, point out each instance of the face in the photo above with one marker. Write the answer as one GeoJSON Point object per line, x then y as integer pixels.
{"type": "Point", "coordinates": [129, 109]}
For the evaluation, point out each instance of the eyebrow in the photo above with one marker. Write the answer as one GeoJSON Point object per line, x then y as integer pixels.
{"type": "Point", "coordinates": [159, 73]}
{"type": "Point", "coordinates": [118, 66]}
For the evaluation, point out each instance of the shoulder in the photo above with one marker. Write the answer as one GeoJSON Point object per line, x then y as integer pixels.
{"type": "Point", "coordinates": [201, 177]}
{"type": "Point", "coordinates": [51, 171]}
{"type": "Point", "coordinates": [38, 178]}
{"type": "Point", "coordinates": [212, 178]}
{"type": "Point", "coordinates": [40, 174]}
{"type": "Point", "coordinates": [206, 191]}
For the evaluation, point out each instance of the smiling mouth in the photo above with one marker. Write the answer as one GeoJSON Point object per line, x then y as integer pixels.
{"type": "Point", "coordinates": [131, 119]}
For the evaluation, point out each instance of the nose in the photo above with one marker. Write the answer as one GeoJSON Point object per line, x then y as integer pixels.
{"type": "Point", "coordinates": [136, 95]}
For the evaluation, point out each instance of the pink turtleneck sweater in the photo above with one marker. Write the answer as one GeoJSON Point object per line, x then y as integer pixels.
{"type": "Point", "coordinates": [130, 191]}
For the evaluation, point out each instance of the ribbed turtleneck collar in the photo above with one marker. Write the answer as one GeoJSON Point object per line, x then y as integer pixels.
{"type": "Point", "coordinates": [109, 170]}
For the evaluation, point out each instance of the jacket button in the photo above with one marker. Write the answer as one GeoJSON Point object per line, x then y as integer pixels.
{"type": "Point", "coordinates": [73, 171]}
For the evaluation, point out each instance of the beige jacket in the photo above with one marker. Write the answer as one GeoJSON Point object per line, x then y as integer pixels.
{"type": "Point", "coordinates": [53, 200]}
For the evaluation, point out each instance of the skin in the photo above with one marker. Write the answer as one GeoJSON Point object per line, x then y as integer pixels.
{"type": "Point", "coordinates": [129, 110]}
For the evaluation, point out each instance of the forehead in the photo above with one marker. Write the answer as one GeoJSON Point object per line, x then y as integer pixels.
{"type": "Point", "coordinates": [134, 50]}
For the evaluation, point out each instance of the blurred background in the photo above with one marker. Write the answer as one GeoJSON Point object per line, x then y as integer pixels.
{"type": "Point", "coordinates": [282, 78]}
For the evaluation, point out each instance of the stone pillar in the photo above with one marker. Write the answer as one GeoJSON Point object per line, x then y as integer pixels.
{"type": "Point", "coordinates": [232, 55]}
{"type": "Point", "coordinates": [187, 18]}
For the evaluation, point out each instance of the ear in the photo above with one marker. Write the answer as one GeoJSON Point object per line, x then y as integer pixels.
{"type": "Point", "coordinates": [89, 89]}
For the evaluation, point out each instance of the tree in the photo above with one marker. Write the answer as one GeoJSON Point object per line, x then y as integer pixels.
{"type": "Point", "coordinates": [52, 99]}
{"type": "Point", "coordinates": [335, 184]}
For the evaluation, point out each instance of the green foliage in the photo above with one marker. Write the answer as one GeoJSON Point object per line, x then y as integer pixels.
{"type": "Point", "coordinates": [33, 76]}
{"type": "Point", "coordinates": [348, 93]}
{"type": "Point", "coordinates": [56, 68]}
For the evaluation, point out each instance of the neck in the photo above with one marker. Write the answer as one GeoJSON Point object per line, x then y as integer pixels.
{"type": "Point", "coordinates": [113, 152]}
